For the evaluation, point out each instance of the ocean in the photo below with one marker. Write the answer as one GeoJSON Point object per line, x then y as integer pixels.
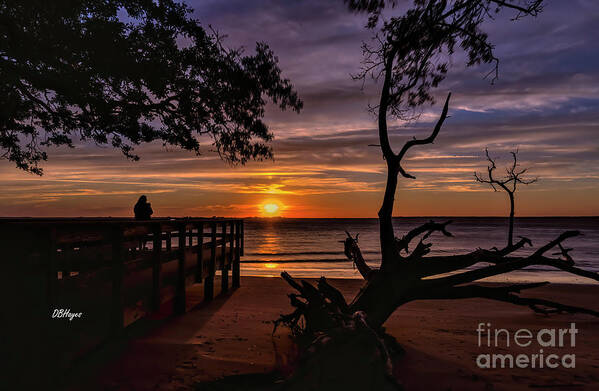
{"type": "Point", "coordinates": [314, 248]}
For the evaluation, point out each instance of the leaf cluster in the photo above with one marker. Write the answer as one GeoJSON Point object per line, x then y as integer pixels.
{"type": "Point", "coordinates": [418, 44]}
{"type": "Point", "coordinates": [122, 73]}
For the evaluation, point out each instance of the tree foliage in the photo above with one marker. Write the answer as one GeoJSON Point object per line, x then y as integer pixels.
{"type": "Point", "coordinates": [122, 73]}
{"type": "Point", "coordinates": [416, 46]}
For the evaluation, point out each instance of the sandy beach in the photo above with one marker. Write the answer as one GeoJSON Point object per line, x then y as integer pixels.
{"type": "Point", "coordinates": [233, 335]}
{"type": "Point", "coordinates": [172, 169]}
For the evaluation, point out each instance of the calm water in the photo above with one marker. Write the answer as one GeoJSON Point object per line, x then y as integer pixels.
{"type": "Point", "coordinates": [313, 248]}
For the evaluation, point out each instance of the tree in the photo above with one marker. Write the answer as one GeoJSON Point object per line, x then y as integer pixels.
{"type": "Point", "coordinates": [508, 183]}
{"type": "Point", "coordinates": [411, 58]}
{"type": "Point", "coordinates": [124, 73]}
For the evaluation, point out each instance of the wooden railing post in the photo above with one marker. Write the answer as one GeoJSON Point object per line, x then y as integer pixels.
{"type": "Point", "coordinates": [180, 288]}
{"type": "Point", "coordinates": [231, 243]}
{"type": "Point", "coordinates": [200, 254]}
{"type": "Point", "coordinates": [118, 271]}
{"type": "Point", "coordinates": [209, 281]}
{"type": "Point", "coordinates": [168, 239]}
{"type": "Point", "coordinates": [242, 237]}
{"type": "Point", "coordinates": [224, 281]}
{"type": "Point", "coordinates": [52, 270]}
{"type": "Point", "coordinates": [156, 265]}
{"type": "Point", "coordinates": [236, 248]}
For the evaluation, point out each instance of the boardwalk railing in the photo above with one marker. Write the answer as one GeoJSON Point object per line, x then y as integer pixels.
{"type": "Point", "coordinates": [82, 281]}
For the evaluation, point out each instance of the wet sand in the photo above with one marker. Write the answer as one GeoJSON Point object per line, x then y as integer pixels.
{"type": "Point", "coordinates": [233, 335]}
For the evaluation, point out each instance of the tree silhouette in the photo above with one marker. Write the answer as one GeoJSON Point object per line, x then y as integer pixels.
{"type": "Point", "coordinates": [508, 183]}
{"type": "Point", "coordinates": [411, 59]}
{"type": "Point", "coordinates": [122, 73]}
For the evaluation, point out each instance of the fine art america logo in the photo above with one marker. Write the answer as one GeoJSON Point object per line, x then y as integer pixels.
{"type": "Point", "coordinates": [525, 338]}
{"type": "Point", "coordinates": [60, 313]}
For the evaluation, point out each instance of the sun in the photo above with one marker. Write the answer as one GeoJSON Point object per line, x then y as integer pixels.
{"type": "Point", "coordinates": [271, 208]}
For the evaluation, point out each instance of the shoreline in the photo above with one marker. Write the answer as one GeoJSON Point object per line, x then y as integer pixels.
{"type": "Point", "coordinates": [554, 277]}
{"type": "Point", "coordinates": [233, 335]}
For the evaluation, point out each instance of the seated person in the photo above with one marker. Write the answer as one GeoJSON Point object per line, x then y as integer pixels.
{"type": "Point", "coordinates": [143, 209]}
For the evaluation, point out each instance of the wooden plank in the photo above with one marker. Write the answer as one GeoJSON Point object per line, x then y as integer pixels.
{"type": "Point", "coordinates": [231, 245]}
{"type": "Point", "coordinates": [209, 281]}
{"type": "Point", "coordinates": [136, 231]}
{"type": "Point", "coordinates": [169, 256]}
{"type": "Point", "coordinates": [77, 236]}
{"type": "Point", "coordinates": [242, 237]}
{"type": "Point", "coordinates": [67, 263]}
{"type": "Point", "coordinates": [200, 253]}
{"type": "Point", "coordinates": [179, 302]}
{"type": "Point", "coordinates": [236, 248]}
{"type": "Point", "coordinates": [224, 281]}
{"type": "Point", "coordinates": [190, 255]}
{"type": "Point", "coordinates": [156, 266]}
{"type": "Point", "coordinates": [51, 269]}
{"type": "Point", "coordinates": [116, 309]}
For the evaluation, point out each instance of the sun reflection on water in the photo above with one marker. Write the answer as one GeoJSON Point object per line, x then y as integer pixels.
{"type": "Point", "coordinates": [269, 242]}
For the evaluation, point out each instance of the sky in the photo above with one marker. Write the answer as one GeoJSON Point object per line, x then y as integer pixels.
{"type": "Point", "coordinates": [545, 104]}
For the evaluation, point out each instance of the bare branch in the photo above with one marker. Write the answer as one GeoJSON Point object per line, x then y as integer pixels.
{"type": "Point", "coordinates": [511, 248]}
{"type": "Point", "coordinates": [429, 140]}
{"type": "Point", "coordinates": [353, 253]}
{"type": "Point", "coordinates": [555, 242]}
{"type": "Point", "coordinates": [512, 175]}
{"type": "Point", "coordinates": [470, 291]}
{"type": "Point", "coordinates": [565, 253]}
{"type": "Point", "coordinates": [332, 294]}
{"type": "Point", "coordinates": [428, 228]}
{"type": "Point", "coordinates": [551, 306]}
{"type": "Point", "coordinates": [505, 294]}
{"type": "Point", "coordinates": [532, 9]}
{"type": "Point", "coordinates": [515, 263]}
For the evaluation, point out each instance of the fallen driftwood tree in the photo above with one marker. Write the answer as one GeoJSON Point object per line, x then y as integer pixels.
{"type": "Point", "coordinates": [346, 338]}
{"type": "Point", "coordinates": [345, 344]}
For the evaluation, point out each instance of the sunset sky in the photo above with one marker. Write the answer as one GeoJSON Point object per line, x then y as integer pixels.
{"type": "Point", "coordinates": [545, 103]}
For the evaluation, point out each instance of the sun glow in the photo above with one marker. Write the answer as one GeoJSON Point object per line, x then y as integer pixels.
{"type": "Point", "coordinates": [271, 265]}
{"type": "Point", "coordinates": [271, 208]}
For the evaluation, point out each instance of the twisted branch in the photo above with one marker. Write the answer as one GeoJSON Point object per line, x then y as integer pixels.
{"type": "Point", "coordinates": [353, 253]}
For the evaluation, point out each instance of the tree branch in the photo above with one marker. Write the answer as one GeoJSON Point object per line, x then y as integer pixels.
{"type": "Point", "coordinates": [511, 248]}
{"type": "Point", "coordinates": [353, 253]}
{"type": "Point", "coordinates": [429, 228]}
{"type": "Point", "coordinates": [555, 242]}
{"type": "Point", "coordinates": [515, 263]}
{"type": "Point", "coordinates": [470, 291]}
{"type": "Point", "coordinates": [429, 140]}
{"type": "Point", "coordinates": [505, 294]}
{"type": "Point", "coordinates": [533, 9]}
{"type": "Point", "coordinates": [383, 105]}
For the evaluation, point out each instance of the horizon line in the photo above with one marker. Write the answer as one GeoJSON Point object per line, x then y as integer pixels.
{"type": "Point", "coordinates": [306, 218]}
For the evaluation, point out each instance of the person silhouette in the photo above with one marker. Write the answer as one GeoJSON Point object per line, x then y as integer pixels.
{"type": "Point", "coordinates": [143, 209]}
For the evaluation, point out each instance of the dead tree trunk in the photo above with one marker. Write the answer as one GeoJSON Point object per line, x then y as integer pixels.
{"type": "Point", "coordinates": [407, 274]}
{"type": "Point", "coordinates": [387, 235]}
{"type": "Point", "coordinates": [508, 184]}
{"type": "Point", "coordinates": [510, 235]}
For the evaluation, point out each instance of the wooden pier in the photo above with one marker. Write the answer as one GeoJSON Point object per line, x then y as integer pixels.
{"type": "Point", "coordinates": [112, 271]}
